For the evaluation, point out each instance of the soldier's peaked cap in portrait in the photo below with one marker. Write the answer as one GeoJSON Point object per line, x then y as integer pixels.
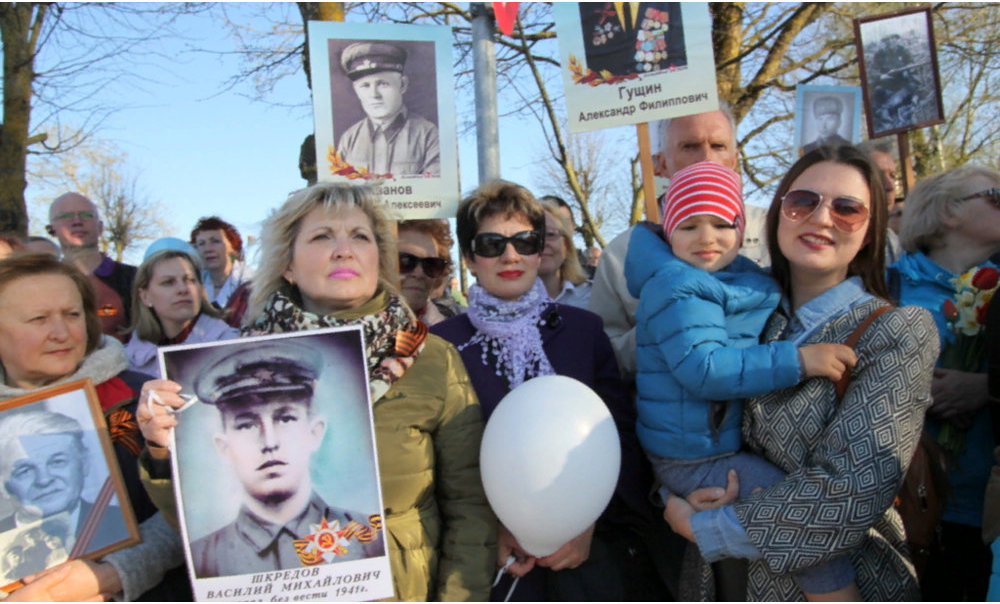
{"type": "Point", "coordinates": [365, 58]}
{"type": "Point", "coordinates": [827, 104]}
{"type": "Point", "coordinates": [282, 371]}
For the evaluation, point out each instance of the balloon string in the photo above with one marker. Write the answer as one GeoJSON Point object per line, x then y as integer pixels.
{"type": "Point", "coordinates": [510, 591]}
{"type": "Point", "coordinates": [503, 569]}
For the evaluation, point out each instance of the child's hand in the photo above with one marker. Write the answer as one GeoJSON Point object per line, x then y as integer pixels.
{"type": "Point", "coordinates": [827, 360]}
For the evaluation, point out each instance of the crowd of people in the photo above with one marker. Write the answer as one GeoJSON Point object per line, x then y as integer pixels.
{"type": "Point", "coordinates": [767, 415]}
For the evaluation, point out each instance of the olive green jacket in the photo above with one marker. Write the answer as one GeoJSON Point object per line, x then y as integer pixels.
{"type": "Point", "coordinates": [439, 527]}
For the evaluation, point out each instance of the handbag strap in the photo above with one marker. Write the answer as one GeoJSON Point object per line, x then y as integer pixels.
{"type": "Point", "coordinates": [852, 341]}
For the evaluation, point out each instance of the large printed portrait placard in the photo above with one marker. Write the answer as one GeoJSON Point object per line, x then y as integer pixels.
{"type": "Point", "coordinates": [61, 492]}
{"type": "Point", "coordinates": [384, 108]}
{"type": "Point", "coordinates": [633, 62]}
{"type": "Point", "coordinates": [275, 468]}
{"type": "Point", "coordinates": [827, 116]}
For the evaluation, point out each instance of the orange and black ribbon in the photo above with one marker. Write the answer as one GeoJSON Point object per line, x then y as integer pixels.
{"type": "Point", "coordinates": [408, 342]}
{"type": "Point", "coordinates": [125, 430]}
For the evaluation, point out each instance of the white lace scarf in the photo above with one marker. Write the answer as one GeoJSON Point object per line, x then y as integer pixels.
{"type": "Point", "coordinates": [509, 331]}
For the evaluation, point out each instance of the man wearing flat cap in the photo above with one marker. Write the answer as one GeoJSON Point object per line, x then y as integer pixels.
{"type": "Point", "coordinates": [828, 111]}
{"type": "Point", "coordinates": [268, 435]}
{"type": "Point", "coordinates": [390, 140]}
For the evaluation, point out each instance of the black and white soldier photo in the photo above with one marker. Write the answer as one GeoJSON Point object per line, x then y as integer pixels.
{"type": "Point", "coordinates": [828, 116]}
{"type": "Point", "coordinates": [899, 71]}
{"type": "Point", "coordinates": [391, 138]}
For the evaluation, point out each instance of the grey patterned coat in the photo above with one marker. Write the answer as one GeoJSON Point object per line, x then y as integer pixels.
{"type": "Point", "coordinates": [845, 461]}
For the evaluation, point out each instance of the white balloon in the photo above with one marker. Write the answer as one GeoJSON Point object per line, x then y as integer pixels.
{"type": "Point", "coordinates": [549, 459]}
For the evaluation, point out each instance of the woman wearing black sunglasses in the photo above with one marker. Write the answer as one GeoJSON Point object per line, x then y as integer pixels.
{"type": "Point", "coordinates": [950, 228]}
{"type": "Point", "coordinates": [424, 265]}
{"type": "Point", "coordinates": [512, 332]}
{"type": "Point", "coordinates": [845, 456]}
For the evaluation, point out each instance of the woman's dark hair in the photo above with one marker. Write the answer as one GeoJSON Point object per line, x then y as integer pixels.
{"type": "Point", "coordinates": [22, 265]}
{"type": "Point", "coordinates": [869, 264]}
{"type": "Point", "coordinates": [493, 198]}
{"type": "Point", "coordinates": [214, 223]}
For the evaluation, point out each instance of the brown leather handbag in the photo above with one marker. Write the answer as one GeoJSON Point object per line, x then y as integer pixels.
{"type": "Point", "coordinates": [920, 500]}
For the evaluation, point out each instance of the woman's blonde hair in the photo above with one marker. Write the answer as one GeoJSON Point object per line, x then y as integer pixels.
{"type": "Point", "coordinates": [922, 227]}
{"type": "Point", "coordinates": [282, 227]}
{"type": "Point", "coordinates": [145, 323]}
{"type": "Point", "coordinates": [570, 269]}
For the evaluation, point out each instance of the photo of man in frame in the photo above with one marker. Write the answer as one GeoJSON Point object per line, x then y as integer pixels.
{"type": "Point", "coordinates": [900, 69]}
{"type": "Point", "coordinates": [829, 112]}
{"type": "Point", "coordinates": [44, 467]}
{"type": "Point", "coordinates": [268, 435]}
{"type": "Point", "coordinates": [46, 473]}
{"type": "Point", "coordinates": [391, 139]}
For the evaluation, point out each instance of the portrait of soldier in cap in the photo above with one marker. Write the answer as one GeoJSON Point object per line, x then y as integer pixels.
{"type": "Point", "coordinates": [828, 114]}
{"type": "Point", "coordinates": [268, 433]}
{"type": "Point", "coordinates": [390, 139]}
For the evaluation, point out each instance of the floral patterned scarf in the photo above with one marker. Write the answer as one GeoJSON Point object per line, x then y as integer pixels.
{"type": "Point", "coordinates": [509, 331]}
{"type": "Point", "coordinates": [393, 336]}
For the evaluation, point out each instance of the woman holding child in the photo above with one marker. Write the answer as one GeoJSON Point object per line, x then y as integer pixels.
{"type": "Point", "coordinates": [844, 458]}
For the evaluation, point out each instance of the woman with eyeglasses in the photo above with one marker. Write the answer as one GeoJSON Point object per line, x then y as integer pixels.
{"type": "Point", "coordinates": [950, 228]}
{"type": "Point", "coordinates": [845, 456]}
{"type": "Point", "coordinates": [512, 332]}
{"type": "Point", "coordinates": [424, 266]}
{"type": "Point", "coordinates": [560, 268]}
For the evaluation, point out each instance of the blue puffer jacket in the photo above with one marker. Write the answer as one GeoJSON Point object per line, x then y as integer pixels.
{"type": "Point", "coordinates": [696, 343]}
{"type": "Point", "coordinates": [922, 282]}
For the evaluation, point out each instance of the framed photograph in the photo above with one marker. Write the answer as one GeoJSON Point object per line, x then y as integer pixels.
{"type": "Point", "coordinates": [61, 492]}
{"type": "Point", "coordinates": [827, 116]}
{"type": "Point", "coordinates": [384, 108]}
{"type": "Point", "coordinates": [898, 63]}
{"type": "Point", "coordinates": [633, 62]}
{"type": "Point", "coordinates": [276, 474]}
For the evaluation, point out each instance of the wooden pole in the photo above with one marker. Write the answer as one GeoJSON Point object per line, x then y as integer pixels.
{"type": "Point", "coordinates": [646, 162]}
{"type": "Point", "coordinates": [905, 161]}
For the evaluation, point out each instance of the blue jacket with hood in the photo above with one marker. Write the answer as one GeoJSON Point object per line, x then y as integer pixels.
{"type": "Point", "coordinates": [697, 351]}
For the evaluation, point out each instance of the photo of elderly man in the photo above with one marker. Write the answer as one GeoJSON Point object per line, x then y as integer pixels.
{"type": "Point", "coordinates": [390, 140]}
{"type": "Point", "coordinates": [268, 434]}
{"type": "Point", "coordinates": [44, 470]}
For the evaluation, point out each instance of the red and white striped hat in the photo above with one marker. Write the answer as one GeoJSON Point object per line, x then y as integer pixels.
{"type": "Point", "coordinates": [704, 188]}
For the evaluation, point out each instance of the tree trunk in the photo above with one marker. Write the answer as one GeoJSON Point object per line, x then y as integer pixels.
{"type": "Point", "coordinates": [19, 27]}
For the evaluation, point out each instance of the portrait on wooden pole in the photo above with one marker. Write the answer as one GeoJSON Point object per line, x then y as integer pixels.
{"type": "Point", "coordinates": [898, 64]}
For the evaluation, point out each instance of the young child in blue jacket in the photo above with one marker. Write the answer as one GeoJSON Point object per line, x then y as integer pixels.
{"type": "Point", "coordinates": [702, 308]}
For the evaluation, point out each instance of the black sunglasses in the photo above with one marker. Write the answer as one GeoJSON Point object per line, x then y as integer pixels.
{"type": "Point", "coordinates": [991, 195]}
{"type": "Point", "coordinates": [848, 214]}
{"type": "Point", "coordinates": [491, 245]}
{"type": "Point", "coordinates": [433, 267]}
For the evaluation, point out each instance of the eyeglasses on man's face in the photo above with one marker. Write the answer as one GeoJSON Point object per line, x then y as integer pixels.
{"type": "Point", "coordinates": [82, 215]}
